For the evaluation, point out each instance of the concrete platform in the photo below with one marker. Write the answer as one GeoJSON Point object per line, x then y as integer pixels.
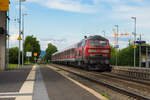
{"type": "Point", "coordinates": [11, 82]}
{"type": "Point", "coordinates": [40, 83]}
{"type": "Point", "coordinates": [60, 88]}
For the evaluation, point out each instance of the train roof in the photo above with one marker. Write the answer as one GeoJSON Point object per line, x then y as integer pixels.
{"type": "Point", "coordinates": [96, 37]}
{"type": "Point", "coordinates": [63, 50]}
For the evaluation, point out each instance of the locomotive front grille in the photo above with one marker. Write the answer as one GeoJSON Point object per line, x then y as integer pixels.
{"type": "Point", "coordinates": [99, 55]}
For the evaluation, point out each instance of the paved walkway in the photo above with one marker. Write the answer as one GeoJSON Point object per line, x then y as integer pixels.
{"type": "Point", "coordinates": [40, 91]}
{"type": "Point", "coordinates": [60, 88]}
{"type": "Point", "coordinates": [41, 83]}
{"type": "Point", "coordinates": [11, 82]}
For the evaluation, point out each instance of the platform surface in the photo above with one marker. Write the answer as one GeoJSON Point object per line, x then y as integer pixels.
{"type": "Point", "coordinates": [11, 82]}
{"type": "Point", "coordinates": [60, 88]}
{"type": "Point", "coordinates": [40, 83]}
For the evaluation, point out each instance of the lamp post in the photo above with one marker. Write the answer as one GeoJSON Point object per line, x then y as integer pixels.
{"type": "Point", "coordinates": [19, 31]}
{"type": "Point", "coordinates": [24, 14]}
{"type": "Point", "coordinates": [134, 18]}
{"type": "Point", "coordinates": [8, 36]}
{"type": "Point", "coordinates": [117, 26]}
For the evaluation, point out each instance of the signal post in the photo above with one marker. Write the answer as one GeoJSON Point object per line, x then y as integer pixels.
{"type": "Point", "coordinates": [3, 21]}
{"type": "Point", "coordinates": [4, 7]}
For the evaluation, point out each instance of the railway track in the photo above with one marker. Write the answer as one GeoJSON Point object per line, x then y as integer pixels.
{"type": "Point", "coordinates": [143, 82]}
{"type": "Point", "coordinates": [110, 86]}
{"type": "Point", "coordinates": [113, 75]}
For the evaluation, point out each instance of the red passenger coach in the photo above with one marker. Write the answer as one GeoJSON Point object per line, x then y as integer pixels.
{"type": "Point", "coordinates": [92, 53]}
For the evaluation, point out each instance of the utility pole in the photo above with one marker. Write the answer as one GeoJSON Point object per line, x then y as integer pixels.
{"type": "Point", "coordinates": [134, 40]}
{"type": "Point", "coordinates": [117, 26]}
{"type": "Point", "coordinates": [140, 52]}
{"type": "Point", "coordinates": [3, 28]}
{"type": "Point", "coordinates": [23, 15]}
{"type": "Point", "coordinates": [20, 16]}
{"type": "Point", "coordinates": [19, 32]}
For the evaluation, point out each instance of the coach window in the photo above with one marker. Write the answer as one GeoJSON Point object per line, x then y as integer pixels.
{"type": "Point", "coordinates": [72, 51]}
{"type": "Point", "coordinates": [60, 54]}
{"type": "Point", "coordinates": [68, 52]}
{"type": "Point", "coordinates": [63, 54]}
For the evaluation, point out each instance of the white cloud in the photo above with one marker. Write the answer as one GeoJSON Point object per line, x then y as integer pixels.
{"type": "Point", "coordinates": [67, 5]}
{"type": "Point", "coordinates": [13, 34]}
{"type": "Point", "coordinates": [117, 1]}
{"type": "Point", "coordinates": [44, 42]}
{"type": "Point", "coordinates": [126, 12]}
{"type": "Point", "coordinates": [60, 43]}
{"type": "Point", "coordinates": [121, 10]}
{"type": "Point", "coordinates": [13, 38]}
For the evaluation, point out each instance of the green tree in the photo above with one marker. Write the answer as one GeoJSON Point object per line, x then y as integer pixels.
{"type": "Point", "coordinates": [125, 56]}
{"type": "Point", "coordinates": [13, 55]}
{"type": "Point", "coordinates": [113, 55]}
{"type": "Point", "coordinates": [49, 51]}
{"type": "Point", "coordinates": [31, 44]}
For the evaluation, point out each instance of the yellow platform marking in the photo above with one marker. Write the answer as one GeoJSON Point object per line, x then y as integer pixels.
{"type": "Point", "coordinates": [27, 88]}
{"type": "Point", "coordinates": [28, 85]}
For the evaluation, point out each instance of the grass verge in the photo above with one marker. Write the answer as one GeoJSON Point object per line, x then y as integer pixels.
{"type": "Point", "coordinates": [12, 66]}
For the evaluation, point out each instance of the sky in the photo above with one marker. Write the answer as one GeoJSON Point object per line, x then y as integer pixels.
{"type": "Point", "coordinates": [66, 22]}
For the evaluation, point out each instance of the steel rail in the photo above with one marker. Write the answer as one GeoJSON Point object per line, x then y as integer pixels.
{"type": "Point", "coordinates": [128, 79]}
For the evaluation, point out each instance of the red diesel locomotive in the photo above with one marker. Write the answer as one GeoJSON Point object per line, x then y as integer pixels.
{"type": "Point", "coordinates": [92, 53]}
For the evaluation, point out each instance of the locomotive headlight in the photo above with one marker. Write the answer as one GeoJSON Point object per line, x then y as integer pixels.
{"type": "Point", "coordinates": [91, 55]}
{"type": "Point", "coordinates": [90, 50]}
{"type": "Point", "coordinates": [105, 55]}
{"type": "Point", "coordinates": [106, 61]}
{"type": "Point", "coordinates": [104, 51]}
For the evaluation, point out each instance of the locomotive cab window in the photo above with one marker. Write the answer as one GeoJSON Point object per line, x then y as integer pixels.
{"type": "Point", "coordinates": [98, 43]}
{"type": "Point", "coordinates": [94, 42]}
{"type": "Point", "coordinates": [103, 43]}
